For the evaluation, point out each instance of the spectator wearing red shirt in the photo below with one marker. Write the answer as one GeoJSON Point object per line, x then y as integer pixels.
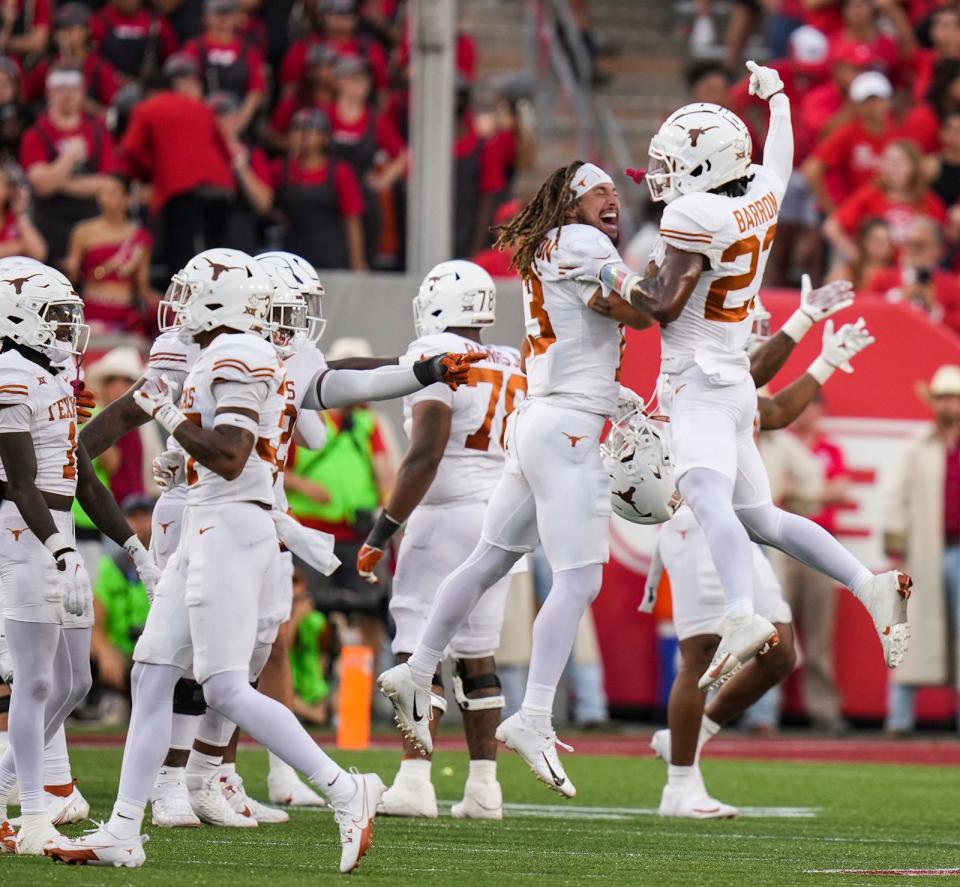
{"type": "Point", "coordinates": [898, 194]}
{"type": "Point", "coordinates": [336, 23]}
{"type": "Point", "coordinates": [811, 595]}
{"type": "Point", "coordinates": [134, 40]}
{"type": "Point", "coordinates": [317, 90]}
{"type": "Point", "coordinates": [191, 177]}
{"type": "Point", "coordinates": [860, 26]}
{"type": "Point", "coordinates": [369, 143]}
{"type": "Point", "coordinates": [850, 155]}
{"type": "Point", "coordinates": [65, 155]}
{"type": "Point", "coordinates": [922, 122]}
{"type": "Point", "coordinates": [875, 252]}
{"type": "Point", "coordinates": [827, 106]}
{"type": "Point", "coordinates": [945, 44]}
{"type": "Point", "coordinates": [226, 64]}
{"type": "Point", "coordinates": [320, 198]}
{"type": "Point", "coordinates": [71, 36]}
{"type": "Point", "coordinates": [918, 279]}
{"type": "Point", "coordinates": [824, 15]}
{"type": "Point", "coordinates": [18, 235]}
{"type": "Point", "coordinates": [27, 24]}
{"type": "Point", "coordinates": [942, 170]}
{"type": "Point", "coordinates": [109, 263]}
{"type": "Point", "coordinates": [14, 115]}
{"type": "Point", "coordinates": [251, 171]}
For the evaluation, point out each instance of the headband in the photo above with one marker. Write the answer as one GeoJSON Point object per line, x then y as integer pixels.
{"type": "Point", "coordinates": [588, 176]}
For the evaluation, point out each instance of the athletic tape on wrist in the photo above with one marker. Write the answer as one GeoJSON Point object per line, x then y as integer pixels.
{"type": "Point", "coordinates": [57, 543]}
{"type": "Point", "coordinates": [821, 370]}
{"type": "Point", "coordinates": [798, 325]}
{"type": "Point", "coordinates": [618, 278]}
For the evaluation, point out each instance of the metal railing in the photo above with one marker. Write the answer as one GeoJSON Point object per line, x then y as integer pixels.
{"type": "Point", "coordinates": [559, 64]}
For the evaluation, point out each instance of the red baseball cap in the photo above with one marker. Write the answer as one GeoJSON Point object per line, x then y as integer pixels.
{"type": "Point", "coordinates": [857, 54]}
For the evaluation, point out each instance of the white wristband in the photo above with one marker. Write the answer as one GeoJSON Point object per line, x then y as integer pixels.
{"type": "Point", "coordinates": [169, 417]}
{"type": "Point", "coordinates": [798, 325]}
{"type": "Point", "coordinates": [821, 370]}
{"type": "Point", "coordinates": [135, 548]}
{"type": "Point", "coordinates": [56, 543]}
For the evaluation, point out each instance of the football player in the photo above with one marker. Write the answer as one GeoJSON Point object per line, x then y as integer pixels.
{"type": "Point", "coordinates": [554, 485]}
{"type": "Point", "coordinates": [229, 423]}
{"type": "Point", "coordinates": [698, 605]}
{"type": "Point", "coordinates": [453, 463]}
{"type": "Point", "coordinates": [715, 237]}
{"type": "Point", "coordinates": [48, 606]}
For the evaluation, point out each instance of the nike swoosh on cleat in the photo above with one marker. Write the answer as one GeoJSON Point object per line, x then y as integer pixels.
{"type": "Point", "coordinates": [557, 781]}
{"type": "Point", "coordinates": [416, 715]}
{"type": "Point", "coordinates": [715, 672]}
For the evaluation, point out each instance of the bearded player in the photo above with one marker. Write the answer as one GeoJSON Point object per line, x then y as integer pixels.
{"type": "Point", "coordinates": [205, 614]}
{"type": "Point", "coordinates": [554, 485]}
{"type": "Point", "coordinates": [451, 467]}
{"type": "Point", "coordinates": [698, 599]}
{"type": "Point", "coordinates": [706, 270]}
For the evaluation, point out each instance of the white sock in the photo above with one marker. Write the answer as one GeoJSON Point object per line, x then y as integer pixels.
{"type": "Point", "coordinates": [423, 665]}
{"type": "Point", "coordinates": [126, 819]}
{"type": "Point", "coordinates": [539, 718]}
{"type": "Point", "coordinates": [200, 768]}
{"type": "Point", "coordinates": [857, 585]}
{"type": "Point", "coordinates": [416, 768]}
{"type": "Point", "coordinates": [708, 729]}
{"type": "Point", "coordinates": [170, 775]}
{"type": "Point", "coordinates": [684, 778]}
{"type": "Point", "coordinates": [482, 771]}
{"type": "Point", "coordinates": [339, 790]}
{"type": "Point", "coordinates": [56, 761]}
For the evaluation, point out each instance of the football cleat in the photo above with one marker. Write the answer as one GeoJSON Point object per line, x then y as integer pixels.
{"type": "Point", "coordinates": [680, 804]}
{"type": "Point", "coordinates": [885, 597]}
{"type": "Point", "coordinates": [36, 833]}
{"type": "Point", "coordinates": [170, 802]}
{"type": "Point", "coordinates": [660, 745]}
{"type": "Point", "coordinates": [481, 800]}
{"type": "Point", "coordinates": [8, 836]}
{"type": "Point", "coordinates": [99, 846]}
{"type": "Point", "coordinates": [415, 798]}
{"type": "Point", "coordinates": [412, 705]}
{"type": "Point", "coordinates": [284, 787]}
{"type": "Point", "coordinates": [72, 808]}
{"type": "Point", "coordinates": [539, 750]}
{"type": "Point", "coordinates": [743, 638]}
{"type": "Point", "coordinates": [355, 819]}
{"type": "Point", "coordinates": [209, 803]}
{"type": "Point", "coordinates": [243, 804]}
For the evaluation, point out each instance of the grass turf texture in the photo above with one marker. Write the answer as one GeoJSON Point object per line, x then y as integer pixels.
{"type": "Point", "coordinates": [869, 817]}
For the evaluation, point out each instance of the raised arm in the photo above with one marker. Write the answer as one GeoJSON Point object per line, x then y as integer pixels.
{"type": "Point", "coordinates": [428, 439]}
{"type": "Point", "coordinates": [765, 83]}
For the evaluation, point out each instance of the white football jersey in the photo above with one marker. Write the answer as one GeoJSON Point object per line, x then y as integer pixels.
{"type": "Point", "coordinates": [249, 360]}
{"type": "Point", "coordinates": [574, 353]}
{"type": "Point", "coordinates": [302, 366]}
{"type": "Point", "coordinates": [735, 234]}
{"type": "Point", "coordinates": [42, 403]}
{"type": "Point", "coordinates": [473, 457]}
{"type": "Point", "coordinates": [173, 359]}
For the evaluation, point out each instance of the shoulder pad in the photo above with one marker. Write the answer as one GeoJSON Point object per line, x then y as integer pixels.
{"type": "Point", "coordinates": [168, 352]}
{"type": "Point", "coordinates": [691, 223]}
{"type": "Point", "coordinates": [243, 358]}
{"type": "Point", "coordinates": [17, 380]}
{"type": "Point", "coordinates": [585, 240]}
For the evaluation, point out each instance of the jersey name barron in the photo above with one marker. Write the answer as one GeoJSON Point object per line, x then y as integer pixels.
{"type": "Point", "coordinates": [573, 353]}
{"type": "Point", "coordinates": [473, 457]}
{"type": "Point", "coordinates": [242, 370]}
{"type": "Point", "coordinates": [41, 403]}
{"type": "Point", "coordinates": [735, 235]}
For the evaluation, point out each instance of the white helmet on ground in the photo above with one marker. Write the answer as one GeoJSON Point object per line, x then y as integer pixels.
{"type": "Point", "coordinates": [297, 294]}
{"type": "Point", "coordinates": [218, 287]}
{"type": "Point", "coordinates": [636, 454]}
{"type": "Point", "coordinates": [698, 148]}
{"type": "Point", "coordinates": [40, 309]}
{"type": "Point", "coordinates": [454, 294]}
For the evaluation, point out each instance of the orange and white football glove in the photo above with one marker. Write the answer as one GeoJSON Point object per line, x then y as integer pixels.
{"type": "Point", "coordinates": [86, 402]}
{"type": "Point", "coordinates": [451, 369]}
{"type": "Point", "coordinates": [371, 552]}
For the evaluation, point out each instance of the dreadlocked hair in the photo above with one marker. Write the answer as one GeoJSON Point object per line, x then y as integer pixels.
{"type": "Point", "coordinates": [526, 230]}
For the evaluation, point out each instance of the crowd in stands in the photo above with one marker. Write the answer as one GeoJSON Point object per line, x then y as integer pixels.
{"type": "Point", "coordinates": [875, 92]}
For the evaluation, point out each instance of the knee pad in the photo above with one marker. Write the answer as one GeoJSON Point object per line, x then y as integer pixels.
{"type": "Point", "coordinates": [437, 700]}
{"type": "Point", "coordinates": [188, 698]}
{"type": "Point", "coordinates": [463, 685]}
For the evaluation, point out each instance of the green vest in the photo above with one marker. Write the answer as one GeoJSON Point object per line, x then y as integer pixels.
{"type": "Point", "coordinates": [306, 665]}
{"type": "Point", "coordinates": [344, 467]}
{"type": "Point", "coordinates": [125, 602]}
{"type": "Point", "coordinates": [80, 518]}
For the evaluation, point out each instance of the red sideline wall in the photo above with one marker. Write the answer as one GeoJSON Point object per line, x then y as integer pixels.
{"type": "Point", "coordinates": [872, 413]}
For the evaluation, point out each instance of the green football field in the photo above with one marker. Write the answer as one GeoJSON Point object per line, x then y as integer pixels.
{"type": "Point", "coordinates": [808, 821]}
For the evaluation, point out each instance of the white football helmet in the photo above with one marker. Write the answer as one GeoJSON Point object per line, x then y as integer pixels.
{"type": "Point", "coordinates": [760, 330]}
{"type": "Point", "coordinates": [636, 454]}
{"type": "Point", "coordinates": [698, 148]}
{"type": "Point", "coordinates": [40, 309]}
{"type": "Point", "coordinates": [297, 294]}
{"type": "Point", "coordinates": [454, 294]}
{"type": "Point", "coordinates": [218, 287]}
